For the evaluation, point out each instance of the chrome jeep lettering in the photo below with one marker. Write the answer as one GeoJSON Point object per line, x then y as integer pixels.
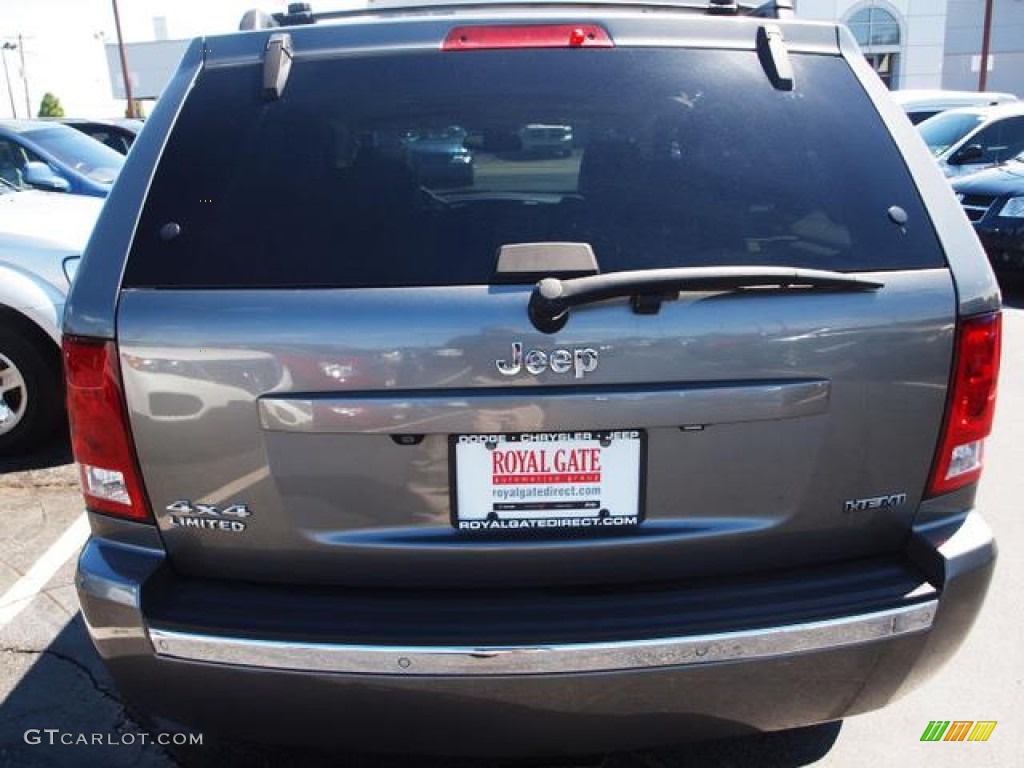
{"type": "Point", "coordinates": [580, 361]}
{"type": "Point", "coordinates": [515, 364]}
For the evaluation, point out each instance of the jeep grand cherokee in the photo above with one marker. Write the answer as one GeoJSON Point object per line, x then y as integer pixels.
{"type": "Point", "coordinates": [673, 437]}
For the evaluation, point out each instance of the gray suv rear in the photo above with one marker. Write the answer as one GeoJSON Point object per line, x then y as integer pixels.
{"type": "Point", "coordinates": [671, 437]}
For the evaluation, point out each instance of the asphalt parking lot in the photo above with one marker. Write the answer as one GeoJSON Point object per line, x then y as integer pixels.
{"type": "Point", "coordinates": [52, 682]}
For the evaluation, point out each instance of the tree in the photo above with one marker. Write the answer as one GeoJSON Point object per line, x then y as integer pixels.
{"type": "Point", "coordinates": [50, 106]}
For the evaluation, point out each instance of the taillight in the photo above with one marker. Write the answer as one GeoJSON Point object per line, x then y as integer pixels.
{"type": "Point", "coordinates": [100, 439]}
{"type": "Point", "coordinates": [471, 38]}
{"type": "Point", "coordinates": [971, 404]}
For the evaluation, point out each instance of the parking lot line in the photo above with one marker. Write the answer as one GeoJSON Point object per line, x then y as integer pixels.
{"type": "Point", "coordinates": [20, 595]}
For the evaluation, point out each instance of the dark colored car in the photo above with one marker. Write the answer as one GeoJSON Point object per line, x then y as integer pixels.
{"type": "Point", "coordinates": [676, 437]}
{"type": "Point", "coordinates": [994, 202]}
{"type": "Point", "coordinates": [117, 133]}
{"type": "Point", "coordinates": [56, 158]}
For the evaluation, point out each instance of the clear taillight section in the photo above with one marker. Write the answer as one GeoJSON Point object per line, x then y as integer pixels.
{"type": "Point", "coordinates": [100, 438]}
{"type": "Point", "coordinates": [971, 405]}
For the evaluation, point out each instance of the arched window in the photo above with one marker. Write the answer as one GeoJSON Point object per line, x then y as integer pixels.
{"type": "Point", "coordinates": [877, 31]}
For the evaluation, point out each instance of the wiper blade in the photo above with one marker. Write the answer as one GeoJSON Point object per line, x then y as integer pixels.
{"type": "Point", "coordinates": [552, 298]}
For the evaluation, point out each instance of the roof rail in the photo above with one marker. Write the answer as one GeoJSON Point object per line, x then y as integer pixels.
{"type": "Point", "coordinates": [302, 13]}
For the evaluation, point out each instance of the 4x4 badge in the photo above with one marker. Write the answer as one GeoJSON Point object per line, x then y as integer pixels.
{"type": "Point", "coordinates": [186, 514]}
{"type": "Point", "coordinates": [581, 361]}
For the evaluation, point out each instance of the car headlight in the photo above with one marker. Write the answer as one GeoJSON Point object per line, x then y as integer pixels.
{"type": "Point", "coordinates": [1013, 208]}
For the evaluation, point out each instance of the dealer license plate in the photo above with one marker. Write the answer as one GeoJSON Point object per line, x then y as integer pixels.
{"type": "Point", "coordinates": [547, 481]}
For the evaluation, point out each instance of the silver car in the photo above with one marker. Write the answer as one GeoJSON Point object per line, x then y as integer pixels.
{"type": "Point", "coordinates": [673, 438]}
{"type": "Point", "coordinates": [42, 236]}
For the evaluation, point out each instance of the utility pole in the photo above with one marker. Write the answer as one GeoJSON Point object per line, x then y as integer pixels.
{"type": "Point", "coordinates": [986, 39]}
{"type": "Point", "coordinates": [130, 111]}
{"type": "Point", "coordinates": [24, 75]}
{"type": "Point", "coordinates": [7, 76]}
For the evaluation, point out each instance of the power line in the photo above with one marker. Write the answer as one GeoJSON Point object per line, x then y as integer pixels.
{"type": "Point", "coordinates": [130, 110]}
{"type": "Point", "coordinates": [24, 75]}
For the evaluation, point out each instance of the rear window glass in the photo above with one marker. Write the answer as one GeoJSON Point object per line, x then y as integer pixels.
{"type": "Point", "coordinates": [416, 169]}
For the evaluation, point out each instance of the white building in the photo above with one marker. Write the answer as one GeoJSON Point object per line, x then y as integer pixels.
{"type": "Point", "coordinates": [932, 43]}
{"type": "Point", "coordinates": [905, 40]}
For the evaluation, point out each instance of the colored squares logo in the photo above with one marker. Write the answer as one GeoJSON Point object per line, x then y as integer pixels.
{"type": "Point", "coordinates": [958, 730]}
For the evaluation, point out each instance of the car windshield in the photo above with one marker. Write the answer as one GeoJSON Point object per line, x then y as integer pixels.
{"type": "Point", "coordinates": [946, 129]}
{"type": "Point", "coordinates": [79, 152]}
{"type": "Point", "coordinates": [6, 187]}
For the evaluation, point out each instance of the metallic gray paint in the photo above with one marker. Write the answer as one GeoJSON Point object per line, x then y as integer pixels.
{"type": "Point", "coordinates": [355, 504]}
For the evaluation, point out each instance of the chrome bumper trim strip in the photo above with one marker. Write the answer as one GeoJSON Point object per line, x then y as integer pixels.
{"type": "Point", "coordinates": [546, 659]}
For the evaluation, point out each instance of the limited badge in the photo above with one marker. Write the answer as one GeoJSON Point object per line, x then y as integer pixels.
{"type": "Point", "coordinates": [186, 514]}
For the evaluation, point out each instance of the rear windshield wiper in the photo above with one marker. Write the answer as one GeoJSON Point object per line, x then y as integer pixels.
{"type": "Point", "coordinates": [552, 298]}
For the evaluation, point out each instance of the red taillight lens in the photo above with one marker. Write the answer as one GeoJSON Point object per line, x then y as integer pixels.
{"type": "Point", "coordinates": [100, 439]}
{"type": "Point", "coordinates": [527, 36]}
{"type": "Point", "coordinates": [971, 405]}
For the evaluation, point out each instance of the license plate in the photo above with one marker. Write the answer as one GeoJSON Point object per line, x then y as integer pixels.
{"type": "Point", "coordinates": [547, 481]}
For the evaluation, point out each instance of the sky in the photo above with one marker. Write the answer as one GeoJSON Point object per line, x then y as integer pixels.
{"type": "Point", "coordinates": [64, 44]}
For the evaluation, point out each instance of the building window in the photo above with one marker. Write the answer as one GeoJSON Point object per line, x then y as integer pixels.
{"type": "Point", "coordinates": [877, 32]}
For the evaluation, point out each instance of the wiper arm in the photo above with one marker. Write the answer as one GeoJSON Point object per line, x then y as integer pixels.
{"type": "Point", "coordinates": [552, 298]}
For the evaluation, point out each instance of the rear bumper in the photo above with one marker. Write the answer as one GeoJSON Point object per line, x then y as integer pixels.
{"type": "Point", "coordinates": [524, 698]}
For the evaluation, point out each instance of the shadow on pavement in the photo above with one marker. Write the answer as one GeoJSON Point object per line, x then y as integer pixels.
{"type": "Point", "coordinates": [787, 749]}
{"type": "Point", "coordinates": [65, 687]}
{"type": "Point", "coordinates": [54, 453]}
{"type": "Point", "coordinates": [784, 749]}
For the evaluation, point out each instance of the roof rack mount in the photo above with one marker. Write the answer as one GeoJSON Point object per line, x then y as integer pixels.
{"type": "Point", "coordinates": [774, 57]}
